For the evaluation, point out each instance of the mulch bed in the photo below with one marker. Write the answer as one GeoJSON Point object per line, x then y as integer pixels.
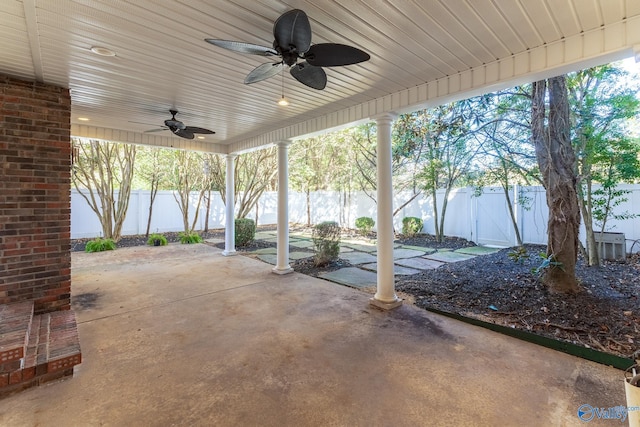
{"type": "Point", "coordinates": [604, 316]}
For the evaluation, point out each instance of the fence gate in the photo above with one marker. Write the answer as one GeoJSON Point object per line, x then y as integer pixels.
{"type": "Point", "coordinates": [492, 222]}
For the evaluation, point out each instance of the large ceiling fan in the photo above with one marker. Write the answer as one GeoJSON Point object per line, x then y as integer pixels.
{"type": "Point", "coordinates": [292, 41]}
{"type": "Point", "coordinates": [180, 129]}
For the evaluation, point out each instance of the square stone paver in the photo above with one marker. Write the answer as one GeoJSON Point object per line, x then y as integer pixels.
{"type": "Point", "coordinates": [397, 269]}
{"type": "Point", "coordinates": [265, 251]}
{"type": "Point", "coordinates": [260, 235]}
{"type": "Point", "coordinates": [417, 248]}
{"type": "Point", "coordinates": [300, 255]}
{"type": "Point", "coordinates": [419, 263]}
{"type": "Point", "coordinates": [477, 250]}
{"type": "Point", "coordinates": [345, 249]}
{"type": "Point", "coordinates": [352, 276]}
{"type": "Point", "coordinates": [269, 258]}
{"type": "Point", "coordinates": [448, 256]}
{"type": "Point", "coordinates": [401, 252]}
{"type": "Point", "coordinates": [275, 239]}
{"type": "Point", "coordinates": [358, 257]}
{"type": "Point", "coordinates": [301, 243]}
{"type": "Point", "coordinates": [361, 247]}
{"type": "Point", "coordinates": [300, 235]}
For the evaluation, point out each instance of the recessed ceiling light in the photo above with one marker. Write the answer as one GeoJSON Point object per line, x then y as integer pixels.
{"type": "Point", "coordinates": [200, 137]}
{"type": "Point", "coordinates": [102, 51]}
{"type": "Point", "coordinates": [83, 119]}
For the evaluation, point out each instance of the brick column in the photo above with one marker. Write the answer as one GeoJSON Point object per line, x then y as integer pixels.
{"type": "Point", "coordinates": [35, 201]}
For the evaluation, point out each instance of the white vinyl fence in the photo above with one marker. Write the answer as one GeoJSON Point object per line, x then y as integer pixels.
{"type": "Point", "coordinates": [483, 219]}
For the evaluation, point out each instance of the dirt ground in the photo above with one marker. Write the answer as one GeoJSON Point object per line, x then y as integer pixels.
{"type": "Point", "coordinates": [604, 316]}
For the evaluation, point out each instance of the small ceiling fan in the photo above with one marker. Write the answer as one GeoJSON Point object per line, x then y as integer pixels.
{"type": "Point", "coordinates": [292, 34]}
{"type": "Point", "coordinates": [178, 128]}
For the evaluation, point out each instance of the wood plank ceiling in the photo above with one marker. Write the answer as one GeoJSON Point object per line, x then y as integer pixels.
{"type": "Point", "coordinates": [162, 60]}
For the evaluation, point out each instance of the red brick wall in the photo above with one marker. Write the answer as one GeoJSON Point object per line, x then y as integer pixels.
{"type": "Point", "coordinates": [35, 184]}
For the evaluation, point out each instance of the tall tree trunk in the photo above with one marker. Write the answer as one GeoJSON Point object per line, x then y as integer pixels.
{"type": "Point", "coordinates": [435, 214]}
{"type": "Point", "coordinates": [308, 199]}
{"type": "Point", "coordinates": [206, 218]}
{"type": "Point", "coordinates": [152, 198]}
{"type": "Point", "coordinates": [584, 201]}
{"type": "Point", "coordinates": [512, 215]}
{"type": "Point", "coordinates": [556, 160]}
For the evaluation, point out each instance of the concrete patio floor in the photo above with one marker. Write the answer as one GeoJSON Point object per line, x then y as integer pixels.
{"type": "Point", "coordinates": [183, 336]}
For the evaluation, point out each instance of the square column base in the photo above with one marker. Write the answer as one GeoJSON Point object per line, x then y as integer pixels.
{"type": "Point", "coordinates": [229, 253]}
{"type": "Point", "coordinates": [285, 270]}
{"type": "Point", "coordinates": [386, 306]}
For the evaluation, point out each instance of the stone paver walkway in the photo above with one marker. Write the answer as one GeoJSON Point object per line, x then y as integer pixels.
{"type": "Point", "coordinates": [408, 260]}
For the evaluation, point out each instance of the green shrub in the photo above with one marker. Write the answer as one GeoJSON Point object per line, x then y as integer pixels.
{"type": "Point", "coordinates": [326, 242]}
{"type": "Point", "coordinates": [156, 239]}
{"type": "Point", "coordinates": [245, 231]}
{"type": "Point", "coordinates": [99, 245]}
{"type": "Point", "coordinates": [190, 237]}
{"type": "Point", "coordinates": [364, 224]}
{"type": "Point", "coordinates": [411, 226]}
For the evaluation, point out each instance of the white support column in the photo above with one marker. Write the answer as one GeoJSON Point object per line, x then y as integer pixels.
{"type": "Point", "coordinates": [385, 296]}
{"type": "Point", "coordinates": [282, 263]}
{"type": "Point", "coordinates": [230, 224]}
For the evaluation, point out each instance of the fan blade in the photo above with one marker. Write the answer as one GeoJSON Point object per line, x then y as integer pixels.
{"type": "Point", "coordinates": [262, 72]}
{"type": "Point", "coordinates": [195, 129]}
{"type": "Point", "coordinates": [292, 28]}
{"type": "Point", "coordinates": [183, 133]}
{"type": "Point", "coordinates": [155, 130]}
{"type": "Point", "coordinates": [252, 49]}
{"type": "Point", "coordinates": [334, 54]}
{"type": "Point", "coordinates": [309, 75]}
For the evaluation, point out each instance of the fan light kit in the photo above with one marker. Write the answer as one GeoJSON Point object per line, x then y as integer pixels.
{"type": "Point", "coordinates": [102, 51]}
{"type": "Point", "coordinates": [180, 129]}
{"type": "Point", "coordinates": [292, 34]}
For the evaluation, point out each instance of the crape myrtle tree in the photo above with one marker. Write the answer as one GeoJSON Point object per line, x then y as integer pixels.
{"type": "Point", "coordinates": [102, 174]}
{"type": "Point", "coordinates": [254, 173]}
{"type": "Point", "coordinates": [152, 165]}
{"type": "Point", "coordinates": [187, 174]}
{"type": "Point", "coordinates": [550, 130]}
{"type": "Point", "coordinates": [602, 101]}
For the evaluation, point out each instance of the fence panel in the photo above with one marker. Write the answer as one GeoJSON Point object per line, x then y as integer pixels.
{"type": "Point", "coordinates": [483, 219]}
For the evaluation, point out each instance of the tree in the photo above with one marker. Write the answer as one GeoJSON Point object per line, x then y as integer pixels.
{"type": "Point", "coordinates": [101, 169]}
{"type": "Point", "coordinates": [506, 153]}
{"type": "Point", "coordinates": [601, 105]}
{"type": "Point", "coordinates": [255, 172]}
{"type": "Point", "coordinates": [187, 175]}
{"type": "Point", "coordinates": [320, 163]}
{"type": "Point", "coordinates": [556, 159]}
{"type": "Point", "coordinates": [405, 166]}
{"type": "Point", "coordinates": [444, 138]}
{"type": "Point", "coordinates": [151, 167]}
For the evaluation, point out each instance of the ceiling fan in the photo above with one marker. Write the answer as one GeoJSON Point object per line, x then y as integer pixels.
{"type": "Point", "coordinates": [292, 41]}
{"type": "Point", "coordinates": [178, 128]}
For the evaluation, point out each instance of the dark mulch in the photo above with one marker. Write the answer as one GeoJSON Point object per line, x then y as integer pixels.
{"type": "Point", "coordinates": [604, 316]}
{"type": "Point", "coordinates": [494, 288]}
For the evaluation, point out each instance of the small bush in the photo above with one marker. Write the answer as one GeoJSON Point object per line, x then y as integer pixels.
{"type": "Point", "coordinates": [190, 237]}
{"type": "Point", "coordinates": [411, 226]}
{"type": "Point", "coordinates": [326, 242]}
{"type": "Point", "coordinates": [245, 231]}
{"type": "Point", "coordinates": [364, 224]}
{"type": "Point", "coordinates": [100, 245]}
{"type": "Point", "coordinates": [156, 239]}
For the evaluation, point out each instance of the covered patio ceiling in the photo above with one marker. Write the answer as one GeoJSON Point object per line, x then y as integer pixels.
{"type": "Point", "coordinates": [422, 53]}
